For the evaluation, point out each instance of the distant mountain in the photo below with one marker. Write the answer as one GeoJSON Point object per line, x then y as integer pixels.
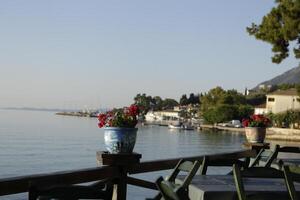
{"type": "Point", "coordinates": [291, 76]}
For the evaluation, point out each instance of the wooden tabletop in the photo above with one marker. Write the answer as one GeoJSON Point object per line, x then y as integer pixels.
{"type": "Point", "coordinates": [208, 187]}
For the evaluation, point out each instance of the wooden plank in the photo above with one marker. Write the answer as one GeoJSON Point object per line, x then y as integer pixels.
{"type": "Point", "coordinates": [157, 165]}
{"type": "Point", "coordinates": [141, 183]}
{"type": "Point", "coordinates": [20, 184]}
{"type": "Point", "coordinates": [106, 158]}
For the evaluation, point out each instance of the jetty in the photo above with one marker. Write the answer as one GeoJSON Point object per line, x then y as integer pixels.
{"type": "Point", "coordinates": [79, 114]}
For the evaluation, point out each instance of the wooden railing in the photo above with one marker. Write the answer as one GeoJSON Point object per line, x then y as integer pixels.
{"type": "Point", "coordinates": [21, 184]}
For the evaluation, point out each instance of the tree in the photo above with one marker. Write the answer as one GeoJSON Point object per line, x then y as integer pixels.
{"type": "Point", "coordinates": [194, 99]}
{"type": "Point", "coordinates": [169, 103]}
{"type": "Point", "coordinates": [217, 96]}
{"type": "Point", "coordinates": [212, 98]}
{"type": "Point", "coordinates": [280, 27]}
{"type": "Point", "coordinates": [183, 100]}
{"type": "Point", "coordinates": [143, 101]}
{"type": "Point", "coordinates": [158, 103]}
{"type": "Point", "coordinates": [244, 111]}
{"type": "Point", "coordinates": [256, 99]}
{"type": "Point", "coordinates": [220, 113]}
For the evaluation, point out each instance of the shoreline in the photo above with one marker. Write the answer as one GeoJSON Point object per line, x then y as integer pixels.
{"type": "Point", "coordinates": [283, 134]}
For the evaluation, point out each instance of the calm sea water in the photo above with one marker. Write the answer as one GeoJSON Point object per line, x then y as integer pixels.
{"type": "Point", "coordinates": [35, 142]}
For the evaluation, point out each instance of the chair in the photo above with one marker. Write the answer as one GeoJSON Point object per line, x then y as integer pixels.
{"type": "Point", "coordinates": [292, 174]}
{"type": "Point", "coordinates": [222, 162]}
{"type": "Point", "coordinates": [287, 149]}
{"type": "Point", "coordinates": [267, 156]}
{"type": "Point", "coordinates": [256, 172]}
{"type": "Point", "coordinates": [169, 190]}
{"type": "Point", "coordinates": [100, 190]}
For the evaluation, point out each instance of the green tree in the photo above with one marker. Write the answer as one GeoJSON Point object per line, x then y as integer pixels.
{"type": "Point", "coordinates": [256, 99]}
{"type": "Point", "coordinates": [169, 103]}
{"type": "Point", "coordinates": [143, 101]}
{"type": "Point", "coordinates": [194, 99]}
{"type": "Point", "coordinates": [233, 97]}
{"type": "Point", "coordinates": [280, 27]}
{"type": "Point", "coordinates": [212, 98]}
{"type": "Point", "coordinates": [158, 103]}
{"type": "Point", "coordinates": [244, 111]}
{"type": "Point", "coordinates": [184, 100]}
{"type": "Point", "coordinates": [217, 96]}
{"type": "Point", "coordinates": [220, 113]}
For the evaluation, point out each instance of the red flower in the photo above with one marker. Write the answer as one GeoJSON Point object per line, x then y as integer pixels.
{"type": "Point", "coordinates": [256, 121]}
{"type": "Point", "coordinates": [126, 118]}
{"type": "Point", "coordinates": [133, 110]}
{"type": "Point", "coordinates": [245, 122]}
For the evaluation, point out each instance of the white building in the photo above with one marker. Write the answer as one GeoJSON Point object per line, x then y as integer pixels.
{"type": "Point", "coordinates": [283, 100]}
{"type": "Point", "coordinates": [260, 109]}
{"type": "Point", "coordinates": [162, 115]}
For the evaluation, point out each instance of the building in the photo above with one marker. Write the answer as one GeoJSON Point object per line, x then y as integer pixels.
{"type": "Point", "coordinates": [162, 115]}
{"type": "Point", "coordinates": [283, 100]}
{"type": "Point", "coordinates": [260, 109]}
{"type": "Point", "coordinates": [265, 87]}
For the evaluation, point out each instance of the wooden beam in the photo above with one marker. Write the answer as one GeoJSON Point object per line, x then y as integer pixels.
{"type": "Point", "coordinates": [157, 165]}
{"type": "Point", "coordinates": [21, 184]}
{"type": "Point", "coordinates": [141, 183]}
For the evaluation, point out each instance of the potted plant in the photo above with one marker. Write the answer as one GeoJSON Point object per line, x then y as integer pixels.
{"type": "Point", "coordinates": [255, 128]}
{"type": "Point", "coordinates": [119, 129]}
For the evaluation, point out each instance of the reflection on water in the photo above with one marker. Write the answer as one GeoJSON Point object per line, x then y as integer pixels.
{"type": "Point", "coordinates": [35, 142]}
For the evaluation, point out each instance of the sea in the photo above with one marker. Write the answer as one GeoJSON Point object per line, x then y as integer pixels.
{"type": "Point", "coordinates": [33, 142]}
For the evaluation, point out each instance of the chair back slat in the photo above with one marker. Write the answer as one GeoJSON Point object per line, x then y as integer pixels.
{"type": "Point", "coordinates": [291, 174]}
{"type": "Point", "coordinates": [270, 156]}
{"type": "Point", "coordinates": [288, 149]}
{"type": "Point", "coordinates": [262, 172]}
{"type": "Point", "coordinates": [171, 191]}
{"type": "Point", "coordinates": [186, 166]}
{"type": "Point", "coordinates": [222, 162]}
{"type": "Point", "coordinates": [254, 172]}
{"type": "Point", "coordinates": [191, 174]}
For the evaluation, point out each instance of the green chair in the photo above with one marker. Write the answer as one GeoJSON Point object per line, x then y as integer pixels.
{"type": "Point", "coordinates": [287, 149]}
{"type": "Point", "coordinates": [266, 156]}
{"type": "Point", "coordinates": [222, 162]}
{"type": "Point", "coordinates": [100, 190]}
{"type": "Point", "coordinates": [292, 174]}
{"type": "Point", "coordinates": [256, 172]}
{"type": "Point", "coordinates": [170, 190]}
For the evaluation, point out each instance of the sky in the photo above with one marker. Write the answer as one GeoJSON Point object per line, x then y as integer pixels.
{"type": "Point", "coordinates": [73, 54]}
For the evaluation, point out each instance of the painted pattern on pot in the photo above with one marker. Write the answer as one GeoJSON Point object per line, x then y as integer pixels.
{"type": "Point", "coordinates": [119, 140]}
{"type": "Point", "coordinates": [255, 134]}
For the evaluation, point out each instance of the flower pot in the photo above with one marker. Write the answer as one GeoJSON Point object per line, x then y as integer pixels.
{"type": "Point", "coordinates": [255, 134]}
{"type": "Point", "coordinates": [119, 140]}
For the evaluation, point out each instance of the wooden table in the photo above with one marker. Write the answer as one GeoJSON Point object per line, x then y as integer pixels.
{"type": "Point", "coordinates": [211, 187]}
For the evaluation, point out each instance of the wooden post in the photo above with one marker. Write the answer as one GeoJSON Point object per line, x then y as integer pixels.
{"type": "Point", "coordinates": [122, 161]}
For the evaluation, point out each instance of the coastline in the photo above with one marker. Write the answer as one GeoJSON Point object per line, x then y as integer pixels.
{"type": "Point", "coordinates": [284, 134]}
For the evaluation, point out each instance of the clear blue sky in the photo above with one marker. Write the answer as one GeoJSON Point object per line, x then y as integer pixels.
{"type": "Point", "coordinates": [68, 54]}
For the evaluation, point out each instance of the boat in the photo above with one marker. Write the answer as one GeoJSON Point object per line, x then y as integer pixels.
{"type": "Point", "coordinates": [181, 126]}
{"type": "Point", "coordinates": [171, 126]}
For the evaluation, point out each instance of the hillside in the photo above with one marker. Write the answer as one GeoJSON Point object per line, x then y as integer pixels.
{"type": "Point", "coordinates": [291, 76]}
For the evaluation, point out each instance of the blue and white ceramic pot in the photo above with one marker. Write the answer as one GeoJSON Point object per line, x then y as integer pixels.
{"type": "Point", "coordinates": [119, 140]}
